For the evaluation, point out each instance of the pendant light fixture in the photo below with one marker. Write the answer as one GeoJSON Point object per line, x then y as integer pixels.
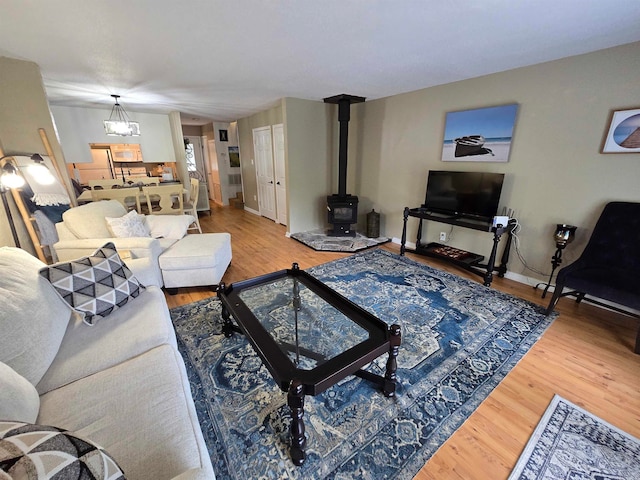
{"type": "Point", "coordinates": [119, 123]}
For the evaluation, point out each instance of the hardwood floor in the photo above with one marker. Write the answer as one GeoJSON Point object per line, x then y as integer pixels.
{"type": "Point", "coordinates": [586, 355]}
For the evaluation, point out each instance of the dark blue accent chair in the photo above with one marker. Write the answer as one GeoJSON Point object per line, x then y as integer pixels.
{"type": "Point", "coordinates": [609, 267]}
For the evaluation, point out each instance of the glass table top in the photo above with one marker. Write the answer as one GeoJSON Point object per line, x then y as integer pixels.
{"type": "Point", "coordinates": [308, 329]}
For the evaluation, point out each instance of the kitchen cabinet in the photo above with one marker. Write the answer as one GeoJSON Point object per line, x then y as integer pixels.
{"type": "Point", "coordinates": [99, 168]}
{"type": "Point", "coordinates": [127, 160]}
{"type": "Point", "coordinates": [126, 152]}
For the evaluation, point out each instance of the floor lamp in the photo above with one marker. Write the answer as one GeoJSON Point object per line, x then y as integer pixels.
{"type": "Point", "coordinates": [10, 178]}
{"type": "Point", "coordinates": [563, 235]}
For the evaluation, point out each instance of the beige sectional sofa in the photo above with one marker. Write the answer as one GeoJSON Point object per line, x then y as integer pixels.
{"type": "Point", "coordinates": [162, 255]}
{"type": "Point", "coordinates": [84, 229]}
{"type": "Point", "coordinates": [120, 383]}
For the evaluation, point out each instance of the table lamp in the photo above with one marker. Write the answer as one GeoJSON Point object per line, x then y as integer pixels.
{"type": "Point", "coordinates": [563, 236]}
{"type": "Point", "coordinates": [10, 178]}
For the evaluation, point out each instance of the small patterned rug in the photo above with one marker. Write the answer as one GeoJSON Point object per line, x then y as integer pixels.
{"type": "Point", "coordinates": [570, 443]}
{"type": "Point", "coordinates": [459, 340]}
{"type": "Point", "coordinates": [319, 240]}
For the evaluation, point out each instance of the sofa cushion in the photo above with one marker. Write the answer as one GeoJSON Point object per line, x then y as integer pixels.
{"type": "Point", "coordinates": [195, 260]}
{"type": "Point", "coordinates": [88, 221]}
{"type": "Point", "coordinates": [130, 225]}
{"type": "Point", "coordinates": [95, 285]}
{"type": "Point", "coordinates": [141, 411]}
{"type": "Point", "coordinates": [40, 451]}
{"type": "Point", "coordinates": [130, 331]}
{"type": "Point", "coordinates": [33, 318]}
{"type": "Point", "coordinates": [169, 226]}
{"type": "Point", "coordinates": [19, 399]}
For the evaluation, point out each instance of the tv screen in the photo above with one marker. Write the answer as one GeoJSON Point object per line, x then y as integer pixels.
{"type": "Point", "coordinates": [471, 194]}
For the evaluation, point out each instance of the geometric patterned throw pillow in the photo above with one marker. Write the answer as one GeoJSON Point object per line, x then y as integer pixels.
{"type": "Point", "coordinates": [95, 285]}
{"type": "Point", "coordinates": [36, 452]}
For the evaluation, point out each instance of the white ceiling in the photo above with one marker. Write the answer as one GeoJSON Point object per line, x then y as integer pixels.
{"type": "Point", "coordinates": [224, 60]}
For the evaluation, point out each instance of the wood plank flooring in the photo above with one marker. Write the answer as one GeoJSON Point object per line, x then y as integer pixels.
{"type": "Point", "coordinates": [586, 356]}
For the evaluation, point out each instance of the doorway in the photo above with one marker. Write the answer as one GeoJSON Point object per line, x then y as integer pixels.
{"type": "Point", "coordinates": [263, 151]}
{"type": "Point", "coordinates": [197, 169]}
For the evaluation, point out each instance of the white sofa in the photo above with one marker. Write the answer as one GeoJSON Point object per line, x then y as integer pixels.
{"type": "Point", "coordinates": [120, 383]}
{"type": "Point", "coordinates": [84, 229]}
{"type": "Point", "coordinates": [168, 257]}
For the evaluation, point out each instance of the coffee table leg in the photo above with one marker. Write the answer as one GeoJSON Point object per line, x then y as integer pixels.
{"type": "Point", "coordinates": [227, 325]}
{"type": "Point", "coordinates": [295, 400]}
{"type": "Point", "coordinates": [389, 388]}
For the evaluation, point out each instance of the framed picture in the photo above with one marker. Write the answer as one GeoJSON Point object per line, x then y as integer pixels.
{"type": "Point", "coordinates": [624, 132]}
{"type": "Point", "coordinates": [480, 135]}
{"type": "Point", "coordinates": [234, 157]}
{"type": "Point", "coordinates": [224, 137]}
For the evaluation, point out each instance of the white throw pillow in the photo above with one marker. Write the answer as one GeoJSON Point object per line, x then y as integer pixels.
{"type": "Point", "coordinates": [169, 226]}
{"type": "Point", "coordinates": [33, 318]}
{"type": "Point", "coordinates": [130, 225]}
{"type": "Point", "coordinates": [19, 399]}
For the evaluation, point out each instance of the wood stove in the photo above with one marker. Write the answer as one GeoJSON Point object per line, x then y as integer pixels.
{"type": "Point", "coordinates": [342, 207]}
{"type": "Point", "coordinates": [343, 212]}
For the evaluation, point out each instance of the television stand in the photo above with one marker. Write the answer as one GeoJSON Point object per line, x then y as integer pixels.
{"type": "Point", "coordinates": [461, 258]}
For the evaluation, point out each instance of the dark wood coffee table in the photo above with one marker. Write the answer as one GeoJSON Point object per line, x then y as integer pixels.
{"type": "Point", "coordinates": [309, 337]}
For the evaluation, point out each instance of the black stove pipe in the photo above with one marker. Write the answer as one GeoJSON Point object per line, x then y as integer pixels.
{"type": "Point", "coordinates": [344, 115]}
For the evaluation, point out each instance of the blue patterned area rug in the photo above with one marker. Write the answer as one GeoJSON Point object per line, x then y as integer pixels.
{"type": "Point", "coordinates": [459, 340]}
{"type": "Point", "coordinates": [570, 443]}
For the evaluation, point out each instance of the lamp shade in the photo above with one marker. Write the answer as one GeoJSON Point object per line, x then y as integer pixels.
{"type": "Point", "coordinates": [119, 123]}
{"type": "Point", "coordinates": [564, 234]}
{"type": "Point", "coordinates": [10, 177]}
{"type": "Point", "coordinates": [122, 128]}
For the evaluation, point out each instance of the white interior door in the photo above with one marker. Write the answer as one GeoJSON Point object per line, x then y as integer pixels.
{"type": "Point", "coordinates": [280, 175]}
{"type": "Point", "coordinates": [263, 151]}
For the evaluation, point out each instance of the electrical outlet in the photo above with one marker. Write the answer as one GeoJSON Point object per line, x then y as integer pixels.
{"type": "Point", "coordinates": [255, 199]}
{"type": "Point", "coordinates": [443, 236]}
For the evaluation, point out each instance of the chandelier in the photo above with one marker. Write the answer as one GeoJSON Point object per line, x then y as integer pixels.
{"type": "Point", "coordinates": [119, 123]}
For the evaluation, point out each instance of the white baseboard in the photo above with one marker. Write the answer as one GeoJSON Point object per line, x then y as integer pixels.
{"type": "Point", "coordinates": [532, 282]}
{"type": "Point", "coordinates": [251, 210]}
{"type": "Point", "coordinates": [399, 242]}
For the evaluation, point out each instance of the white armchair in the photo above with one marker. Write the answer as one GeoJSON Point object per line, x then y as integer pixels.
{"type": "Point", "coordinates": [84, 229]}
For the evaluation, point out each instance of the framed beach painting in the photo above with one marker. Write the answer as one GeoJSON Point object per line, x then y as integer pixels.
{"type": "Point", "coordinates": [480, 135]}
{"type": "Point", "coordinates": [624, 132]}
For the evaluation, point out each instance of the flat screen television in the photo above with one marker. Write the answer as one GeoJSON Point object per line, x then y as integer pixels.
{"type": "Point", "coordinates": [463, 194]}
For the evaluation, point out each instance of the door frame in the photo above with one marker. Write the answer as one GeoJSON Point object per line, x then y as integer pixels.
{"type": "Point", "coordinates": [270, 214]}
{"type": "Point", "coordinates": [280, 164]}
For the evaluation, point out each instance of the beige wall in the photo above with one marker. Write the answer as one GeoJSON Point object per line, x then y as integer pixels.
{"type": "Point", "coordinates": [309, 148]}
{"type": "Point", "coordinates": [555, 173]}
{"type": "Point", "coordinates": [193, 130]}
{"type": "Point", "coordinates": [310, 130]}
{"type": "Point", "coordinates": [23, 110]}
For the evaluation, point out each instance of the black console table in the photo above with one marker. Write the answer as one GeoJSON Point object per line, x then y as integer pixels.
{"type": "Point", "coordinates": [467, 260]}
